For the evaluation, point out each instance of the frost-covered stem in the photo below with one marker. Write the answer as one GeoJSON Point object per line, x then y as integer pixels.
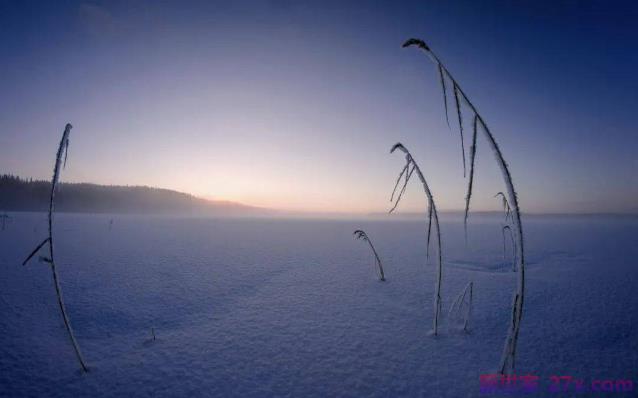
{"type": "Point", "coordinates": [376, 256]}
{"type": "Point", "coordinates": [360, 234]}
{"type": "Point", "coordinates": [508, 357]}
{"type": "Point", "coordinates": [64, 142]}
{"type": "Point", "coordinates": [504, 243]}
{"type": "Point", "coordinates": [468, 315]}
{"type": "Point", "coordinates": [435, 218]}
{"type": "Point", "coordinates": [460, 116]}
{"type": "Point", "coordinates": [427, 246]}
{"type": "Point", "coordinates": [470, 182]}
{"type": "Point", "coordinates": [509, 350]}
{"type": "Point", "coordinates": [458, 304]}
{"type": "Point", "coordinates": [507, 227]}
{"type": "Point", "coordinates": [444, 88]}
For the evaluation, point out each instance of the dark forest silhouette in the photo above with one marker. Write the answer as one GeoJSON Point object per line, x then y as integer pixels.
{"type": "Point", "coordinates": [19, 194]}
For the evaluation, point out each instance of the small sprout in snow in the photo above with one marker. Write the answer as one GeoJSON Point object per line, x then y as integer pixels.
{"type": "Point", "coordinates": [461, 309]}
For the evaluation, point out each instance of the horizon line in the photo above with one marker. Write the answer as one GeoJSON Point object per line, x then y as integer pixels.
{"type": "Point", "coordinates": [345, 213]}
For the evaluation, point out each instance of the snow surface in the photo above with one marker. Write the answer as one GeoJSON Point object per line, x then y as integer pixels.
{"type": "Point", "coordinates": [267, 307]}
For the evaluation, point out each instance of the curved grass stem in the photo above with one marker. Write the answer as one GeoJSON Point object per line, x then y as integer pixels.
{"type": "Point", "coordinates": [434, 218]}
{"type": "Point", "coordinates": [62, 152]}
{"type": "Point", "coordinates": [508, 358]}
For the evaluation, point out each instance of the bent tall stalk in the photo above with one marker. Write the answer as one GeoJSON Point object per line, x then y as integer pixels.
{"type": "Point", "coordinates": [508, 357]}
{"type": "Point", "coordinates": [409, 168]}
{"type": "Point", "coordinates": [62, 151]}
{"type": "Point", "coordinates": [360, 234]}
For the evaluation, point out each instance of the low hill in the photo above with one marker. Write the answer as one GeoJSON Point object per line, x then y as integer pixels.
{"type": "Point", "coordinates": [18, 194]}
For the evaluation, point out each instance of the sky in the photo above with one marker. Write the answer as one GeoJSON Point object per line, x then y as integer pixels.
{"type": "Point", "coordinates": [295, 105]}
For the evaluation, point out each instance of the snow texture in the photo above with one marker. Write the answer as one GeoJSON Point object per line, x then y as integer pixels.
{"type": "Point", "coordinates": [265, 307]}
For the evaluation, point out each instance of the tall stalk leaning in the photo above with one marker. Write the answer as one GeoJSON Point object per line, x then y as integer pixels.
{"type": "Point", "coordinates": [409, 168]}
{"type": "Point", "coordinates": [62, 151]}
{"type": "Point", "coordinates": [508, 357]}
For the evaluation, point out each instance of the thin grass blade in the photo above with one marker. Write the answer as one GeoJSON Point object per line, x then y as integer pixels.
{"type": "Point", "coordinates": [460, 116]}
{"type": "Point", "coordinates": [33, 253]}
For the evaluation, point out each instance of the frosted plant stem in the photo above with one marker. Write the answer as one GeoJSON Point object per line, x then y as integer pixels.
{"type": "Point", "coordinates": [507, 364]}
{"type": "Point", "coordinates": [360, 234]}
{"type": "Point", "coordinates": [511, 234]}
{"type": "Point", "coordinates": [457, 305]}
{"type": "Point", "coordinates": [380, 266]}
{"type": "Point", "coordinates": [468, 314]}
{"type": "Point", "coordinates": [62, 150]}
{"type": "Point", "coordinates": [435, 219]}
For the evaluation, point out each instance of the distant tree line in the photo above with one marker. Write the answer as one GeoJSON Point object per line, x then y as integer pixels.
{"type": "Point", "coordinates": [20, 194]}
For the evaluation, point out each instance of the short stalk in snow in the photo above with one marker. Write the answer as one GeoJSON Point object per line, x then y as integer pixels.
{"type": "Point", "coordinates": [456, 310]}
{"type": "Point", "coordinates": [360, 234]}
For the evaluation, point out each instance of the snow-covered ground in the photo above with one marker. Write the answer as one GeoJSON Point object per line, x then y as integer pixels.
{"type": "Point", "coordinates": [265, 307]}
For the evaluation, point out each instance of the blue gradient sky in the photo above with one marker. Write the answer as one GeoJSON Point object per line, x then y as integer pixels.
{"type": "Point", "coordinates": [295, 106]}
